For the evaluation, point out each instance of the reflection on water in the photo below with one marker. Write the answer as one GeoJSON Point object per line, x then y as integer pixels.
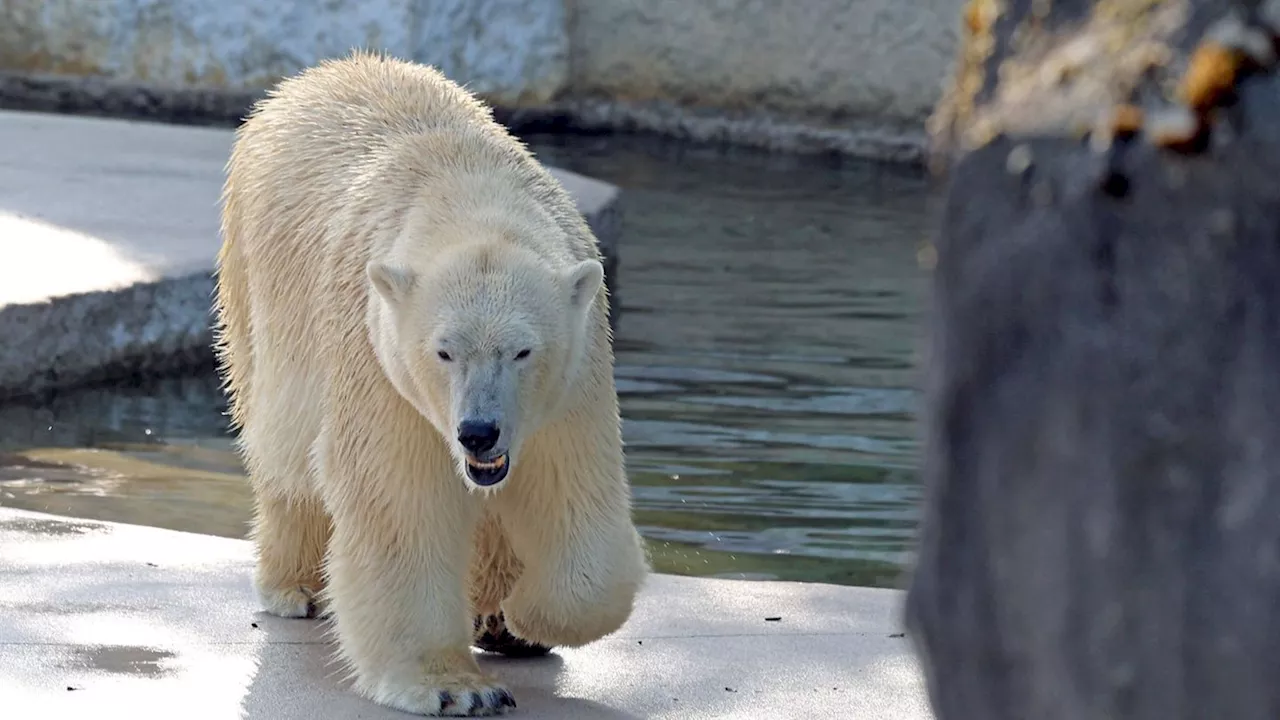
{"type": "Point", "coordinates": [766, 352]}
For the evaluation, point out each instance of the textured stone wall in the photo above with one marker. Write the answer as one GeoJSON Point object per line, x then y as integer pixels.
{"type": "Point", "coordinates": [852, 76]}
{"type": "Point", "coordinates": [825, 59]}
{"type": "Point", "coordinates": [513, 51]}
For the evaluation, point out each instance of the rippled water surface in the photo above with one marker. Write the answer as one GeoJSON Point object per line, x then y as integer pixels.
{"type": "Point", "coordinates": [766, 365]}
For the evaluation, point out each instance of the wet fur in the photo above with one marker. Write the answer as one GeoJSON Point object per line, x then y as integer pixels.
{"type": "Point", "coordinates": [359, 502]}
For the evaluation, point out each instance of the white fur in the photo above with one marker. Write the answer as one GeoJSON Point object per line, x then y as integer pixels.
{"type": "Point", "coordinates": [374, 214]}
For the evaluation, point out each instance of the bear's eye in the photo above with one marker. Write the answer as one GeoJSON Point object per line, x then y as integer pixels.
{"type": "Point", "coordinates": [443, 355]}
{"type": "Point", "coordinates": [523, 354]}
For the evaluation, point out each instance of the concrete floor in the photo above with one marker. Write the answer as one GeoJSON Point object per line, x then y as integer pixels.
{"type": "Point", "coordinates": [107, 620]}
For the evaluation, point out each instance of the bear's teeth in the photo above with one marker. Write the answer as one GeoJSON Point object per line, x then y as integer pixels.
{"type": "Point", "coordinates": [502, 460]}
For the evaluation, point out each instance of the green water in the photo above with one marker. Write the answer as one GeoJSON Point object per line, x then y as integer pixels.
{"type": "Point", "coordinates": [766, 349]}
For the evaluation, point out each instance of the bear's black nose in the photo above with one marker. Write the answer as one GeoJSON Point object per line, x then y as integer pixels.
{"type": "Point", "coordinates": [477, 437]}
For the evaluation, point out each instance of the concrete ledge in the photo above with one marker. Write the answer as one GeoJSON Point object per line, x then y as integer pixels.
{"type": "Point", "coordinates": [879, 139]}
{"type": "Point", "coordinates": [111, 232]}
{"type": "Point", "coordinates": [99, 619]}
{"type": "Point", "coordinates": [149, 328]}
{"type": "Point", "coordinates": [102, 97]}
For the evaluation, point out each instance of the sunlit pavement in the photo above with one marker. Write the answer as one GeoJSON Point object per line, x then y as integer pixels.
{"type": "Point", "coordinates": [107, 620]}
{"type": "Point", "coordinates": [92, 204]}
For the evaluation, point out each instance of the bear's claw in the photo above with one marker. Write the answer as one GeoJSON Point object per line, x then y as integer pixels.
{"type": "Point", "coordinates": [476, 702]}
{"type": "Point", "coordinates": [464, 695]}
{"type": "Point", "coordinates": [289, 602]}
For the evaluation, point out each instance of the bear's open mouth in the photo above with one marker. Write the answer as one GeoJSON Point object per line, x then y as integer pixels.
{"type": "Point", "coordinates": [485, 473]}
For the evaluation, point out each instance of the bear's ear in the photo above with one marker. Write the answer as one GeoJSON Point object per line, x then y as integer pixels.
{"type": "Point", "coordinates": [585, 280]}
{"type": "Point", "coordinates": [392, 283]}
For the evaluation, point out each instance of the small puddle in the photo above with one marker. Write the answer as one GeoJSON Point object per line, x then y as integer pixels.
{"type": "Point", "coordinates": [123, 660]}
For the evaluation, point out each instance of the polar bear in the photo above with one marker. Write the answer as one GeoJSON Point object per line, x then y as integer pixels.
{"type": "Point", "coordinates": [412, 330]}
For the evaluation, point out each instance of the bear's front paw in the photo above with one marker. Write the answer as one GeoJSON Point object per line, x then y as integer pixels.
{"type": "Point", "coordinates": [453, 695]}
{"type": "Point", "coordinates": [292, 601]}
{"type": "Point", "coordinates": [550, 624]}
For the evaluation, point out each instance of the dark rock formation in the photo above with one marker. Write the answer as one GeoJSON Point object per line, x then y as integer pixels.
{"type": "Point", "coordinates": [1101, 534]}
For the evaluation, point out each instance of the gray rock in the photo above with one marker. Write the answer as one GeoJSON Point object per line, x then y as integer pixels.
{"type": "Point", "coordinates": [1102, 417]}
{"type": "Point", "coordinates": [145, 329]}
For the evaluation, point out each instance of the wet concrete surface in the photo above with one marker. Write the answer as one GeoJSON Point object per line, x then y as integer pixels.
{"type": "Point", "coordinates": [104, 619]}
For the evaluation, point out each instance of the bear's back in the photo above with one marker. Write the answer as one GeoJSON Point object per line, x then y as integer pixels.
{"type": "Point", "coordinates": [328, 167]}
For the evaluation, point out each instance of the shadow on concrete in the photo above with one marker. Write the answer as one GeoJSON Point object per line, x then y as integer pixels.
{"type": "Point", "coordinates": [298, 675]}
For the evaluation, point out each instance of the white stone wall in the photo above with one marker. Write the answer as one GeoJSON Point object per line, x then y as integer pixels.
{"type": "Point", "coordinates": [514, 51]}
{"type": "Point", "coordinates": [832, 58]}
{"type": "Point", "coordinates": [829, 61]}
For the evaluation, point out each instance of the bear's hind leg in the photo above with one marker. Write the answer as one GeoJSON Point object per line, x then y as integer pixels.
{"type": "Point", "coordinates": [290, 536]}
{"type": "Point", "coordinates": [290, 526]}
{"type": "Point", "coordinates": [494, 571]}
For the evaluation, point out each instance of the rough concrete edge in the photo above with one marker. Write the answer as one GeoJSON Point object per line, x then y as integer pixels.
{"type": "Point", "coordinates": [861, 139]}
{"type": "Point", "coordinates": [102, 97]}
{"type": "Point", "coordinates": [885, 141]}
{"type": "Point", "coordinates": [606, 225]}
{"type": "Point", "coordinates": [153, 328]}
{"type": "Point", "coordinates": [149, 328]}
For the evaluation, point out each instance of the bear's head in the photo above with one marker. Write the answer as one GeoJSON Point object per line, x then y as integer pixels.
{"type": "Point", "coordinates": [486, 341]}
